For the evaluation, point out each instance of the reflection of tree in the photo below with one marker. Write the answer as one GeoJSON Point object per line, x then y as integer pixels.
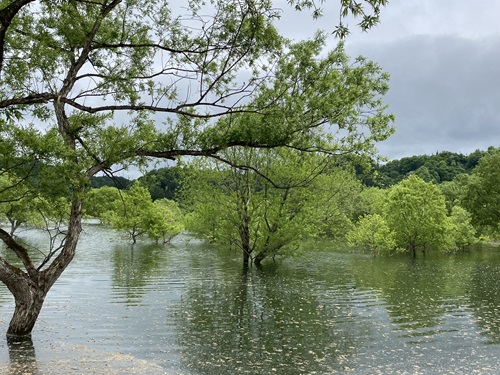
{"type": "Point", "coordinates": [265, 321]}
{"type": "Point", "coordinates": [419, 293]}
{"type": "Point", "coordinates": [416, 291]}
{"type": "Point", "coordinates": [134, 265]}
{"type": "Point", "coordinates": [484, 297]}
{"type": "Point", "coordinates": [22, 356]}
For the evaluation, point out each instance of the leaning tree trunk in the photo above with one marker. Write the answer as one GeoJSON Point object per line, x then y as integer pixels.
{"type": "Point", "coordinates": [30, 287]}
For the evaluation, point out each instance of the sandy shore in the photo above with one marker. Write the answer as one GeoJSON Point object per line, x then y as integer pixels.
{"type": "Point", "coordinates": [79, 360]}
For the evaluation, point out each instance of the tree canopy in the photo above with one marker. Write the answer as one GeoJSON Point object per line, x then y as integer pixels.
{"type": "Point", "coordinates": [482, 193]}
{"type": "Point", "coordinates": [269, 211]}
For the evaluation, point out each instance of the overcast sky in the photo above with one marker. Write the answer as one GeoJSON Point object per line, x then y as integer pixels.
{"type": "Point", "coordinates": [444, 60]}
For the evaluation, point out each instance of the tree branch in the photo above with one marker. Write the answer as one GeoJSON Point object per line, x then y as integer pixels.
{"type": "Point", "coordinates": [20, 251]}
{"type": "Point", "coordinates": [7, 14]}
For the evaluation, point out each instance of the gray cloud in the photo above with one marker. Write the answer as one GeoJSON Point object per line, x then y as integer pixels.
{"type": "Point", "coordinates": [444, 61]}
{"type": "Point", "coordinates": [444, 92]}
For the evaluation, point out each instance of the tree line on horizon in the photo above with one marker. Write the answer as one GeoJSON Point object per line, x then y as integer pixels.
{"type": "Point", "coordinates": [401, 208]}
{"type": "Point", "coordinates": [436, 168]}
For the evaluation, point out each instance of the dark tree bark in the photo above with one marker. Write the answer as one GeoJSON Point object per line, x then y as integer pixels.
{"type": "Point", "coordinates": [31, 286]}
{"type": "Point", "coordinates": [259, 258]}
{"type": "Point", "coordinates": [245, 241]}
{"type": "Point", "coordinates": [29, 297]}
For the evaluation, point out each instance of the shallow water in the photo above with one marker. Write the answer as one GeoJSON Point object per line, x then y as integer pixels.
{"type": "Point", "coordinates": [191, 309]}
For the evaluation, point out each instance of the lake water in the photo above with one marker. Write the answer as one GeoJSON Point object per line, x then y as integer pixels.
{"type": "Point", "coordinates": [190, 309]}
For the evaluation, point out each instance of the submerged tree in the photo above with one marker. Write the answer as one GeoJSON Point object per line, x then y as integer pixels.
{"type": "Point", "coordinates": [88, 86]}
{"type": "Point", "coordinates": [133, 211]}
{"type": "Point", "coordinates": [482, 194]}
{"type": "Point", "coordinates": [260, 213]}
{"type": "Point", "coordinates": [269, 210]}
{"type": "Point", "coordinates": [371, 233]}
{"type": "Point", "coordinates": [416, 212]}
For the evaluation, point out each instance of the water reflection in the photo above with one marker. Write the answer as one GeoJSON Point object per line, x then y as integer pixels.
{"type": "Point", "coordinates": [484, 297]}
{"type": "Point", "coordinates": [190, 309]}
{"type": "Point", "coordinates": [134, 266]}
{"type": "Point", "coordinates": [22, 356]}
{"type": "Point", "coordinates": [259, 323]}
{"type": "Point", "coordinates": [414, 293]}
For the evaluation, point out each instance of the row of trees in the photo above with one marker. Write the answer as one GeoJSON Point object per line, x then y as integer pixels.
{"type": "Point", "coordinates": [411, 216]}
{"type": "Point", "coordinates": [129, 210]}
{"type": "Point", "coordinates": [418, 215]}
{"type": "Point", "coordinates": [479, 194]}
{"type": "Point", "coordinates": [250, 208]}
{"type": "Point", "coordinates": [300, 197]}
{"type": "Point", "coordinates": [134, 212]}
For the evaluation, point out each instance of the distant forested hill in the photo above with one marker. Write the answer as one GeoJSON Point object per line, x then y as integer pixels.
{"type": "Point", "coordinates": [437, 168]}
{"type": "Point", "coordinates": [162, 183]}
{"type": "Point", "coordinates": [117, 182]}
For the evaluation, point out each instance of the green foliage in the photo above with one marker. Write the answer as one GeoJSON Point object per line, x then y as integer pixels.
{"type": "Point", "coordinates": [454, 191]}
{"type": "Point", "coordinates": [16, 202]}
{"type": "Point", "coordinates": [100, 202]}
{"type": "Point", "coordinates": [482, 194]}
{"type": "Point", "coordinates": [416, 211]}
{"type": "Point", "coordinates": [292, 196]}
{"type": "Point", "coordinates": [132, 211]}
{"type": "Point", "coordinates": [315, 103]}
{"type": "Point", "coordinates": [437, 168]}
{"type": "Point", "coordinates": [51, 213]}
{"type": "Point", "coordinates": [371, 233]}
{"type": "Point", "coordinates": [119, 182]}
{"type": "Point", "coordinates": [337, 200]}
{"type": "Point", "coordinates": [165, 221]}
{"type": "Point", "coordinates": [461, 230]}
{"type": "Point", "coordinates": [372, 201]}
{"type": "Point", "coordinates": [20, 204]}
{"type": "Point", "coordinates": [132, 214]}
{"type": "Point", "coordinates": [162, 183]}
{"type": "Point", "coordinates": [417, 214]}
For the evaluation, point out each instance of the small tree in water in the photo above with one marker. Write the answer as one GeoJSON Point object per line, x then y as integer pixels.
{"type": "Point", "coordinates": [298, 196]}
{"type": "Point", "coordinates": [416, 212]}
{"type": "Point", "coordinates": [371, 233]}
{"type": "Point", "coordinates": [132, 211]}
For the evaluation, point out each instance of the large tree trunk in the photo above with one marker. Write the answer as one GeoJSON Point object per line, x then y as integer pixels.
{"type": "Point", "coordinates": [29, 301]}
{"type": "Point", "coordinates": [30, 287]}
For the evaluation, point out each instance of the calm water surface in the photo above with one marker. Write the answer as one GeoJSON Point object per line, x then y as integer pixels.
{"type": "Point", "coordinates": [191, 309]}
